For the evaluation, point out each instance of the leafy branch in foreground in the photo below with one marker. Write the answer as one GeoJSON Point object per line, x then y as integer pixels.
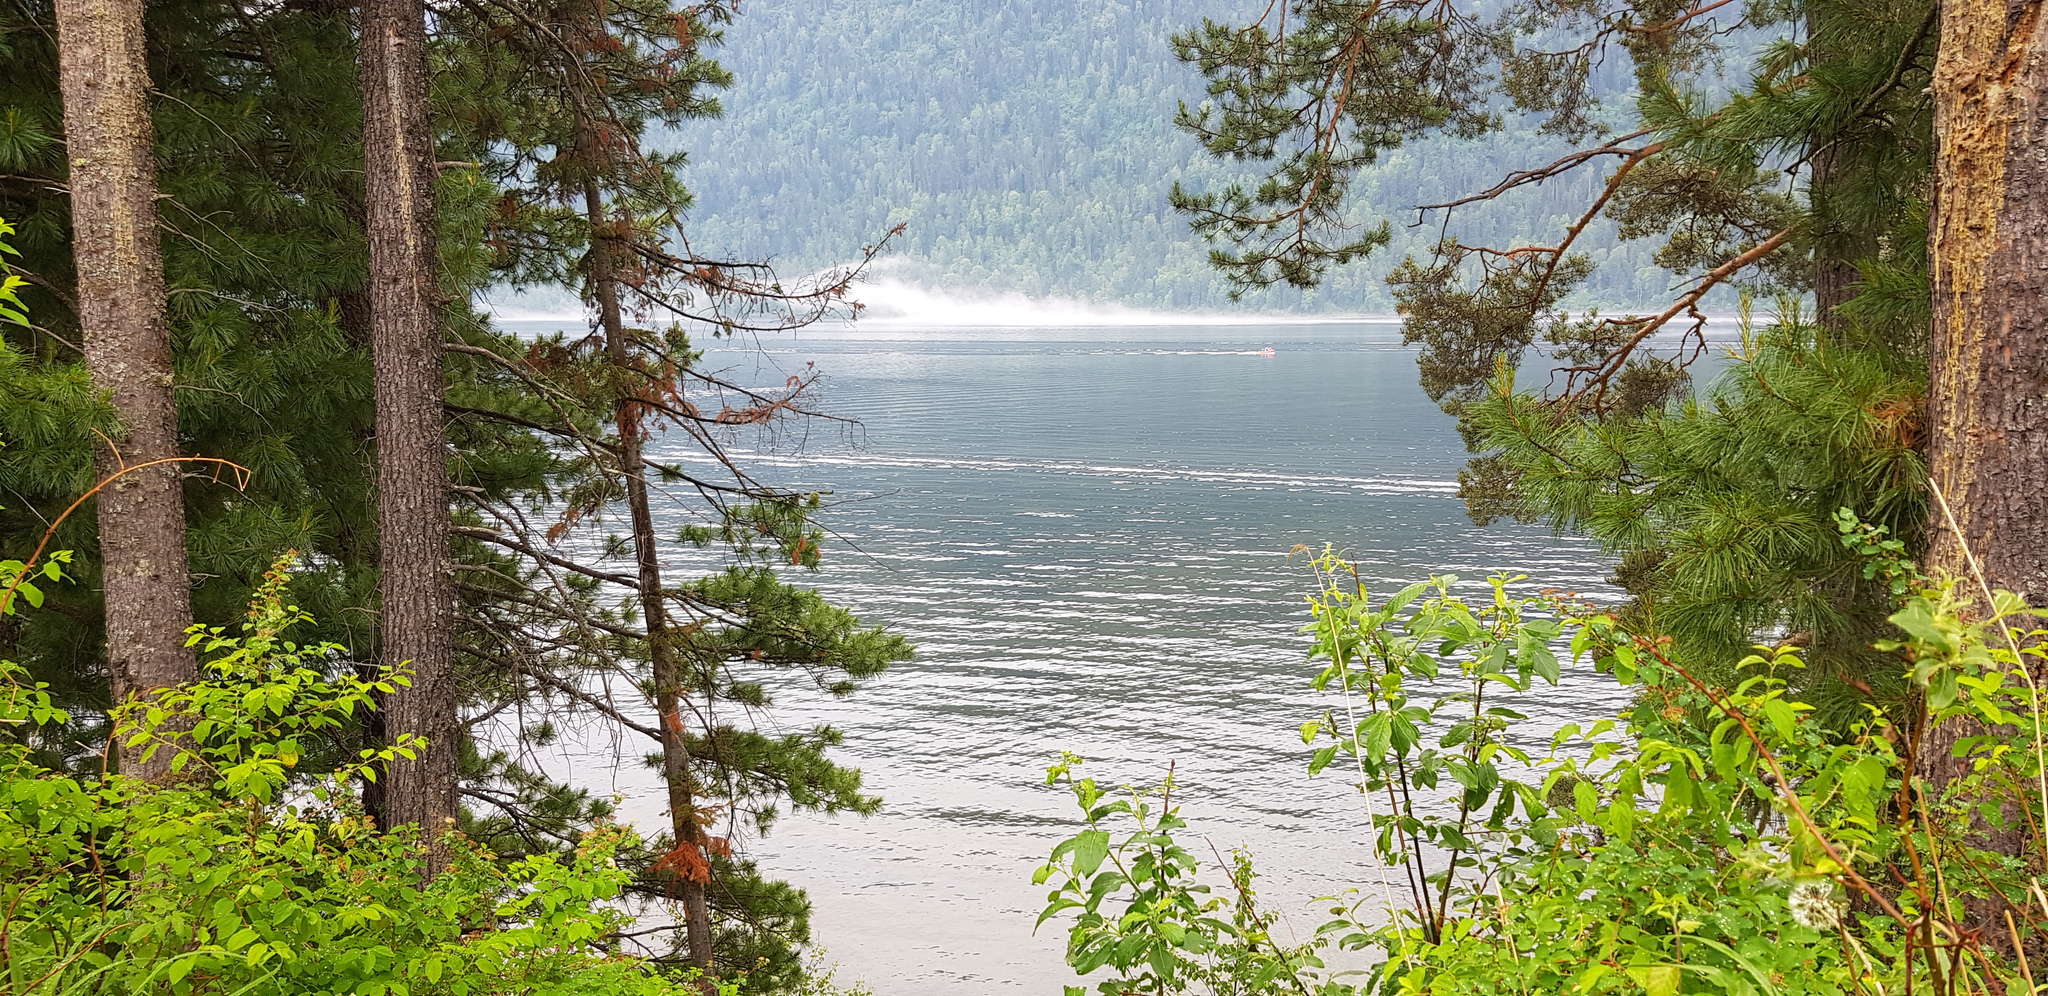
{"type": "Point", "coordinates": [11, 307]}
{"type": "Point", "coordinates": [1712, 838]}
{"type": "Point", "coordinates": [250, 874]}
{"type": "Point", "coordinates": [1140, 908]}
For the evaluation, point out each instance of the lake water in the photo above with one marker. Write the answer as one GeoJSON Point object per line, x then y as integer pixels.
{"type": "Point", "coordinates": [1086, 533]}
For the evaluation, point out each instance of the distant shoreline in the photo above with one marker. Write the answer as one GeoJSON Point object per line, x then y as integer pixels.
{"type": "Point", "coordinates": [889, 303]}
{"type": "Point", "coordinates": [1139, 320]}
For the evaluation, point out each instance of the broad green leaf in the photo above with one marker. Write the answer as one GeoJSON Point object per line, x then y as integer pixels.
{"type": "Point", "coordinates": [1090, 848]}
{"type": "Point", "coordinates": [1656, 980]}
{"type": "Point", "coordinates": [1535, 653]}
{"type": "Point", "coordinates": [1585, 801]}
{"type": "Point", "coordinates": [1404, 596]}
{"type": "Point", "coordinates": [1782, 718]}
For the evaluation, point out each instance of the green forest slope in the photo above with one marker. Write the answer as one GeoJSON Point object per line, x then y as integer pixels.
{"type": "Point", "coordinates": [1028, 147]}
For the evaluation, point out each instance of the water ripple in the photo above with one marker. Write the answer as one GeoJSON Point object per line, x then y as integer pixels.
{"type": "Point", "coordinates": [1088, 536]}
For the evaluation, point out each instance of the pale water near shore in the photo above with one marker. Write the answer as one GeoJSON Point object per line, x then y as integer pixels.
{"type": "Point", "coordinates": [1086, 533]}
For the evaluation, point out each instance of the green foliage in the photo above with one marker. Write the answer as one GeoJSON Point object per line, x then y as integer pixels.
{"type": "Point", "coordinates": [740, 627]}
{"type": "Point", "coordinates": [1722, 508]}
{"type": "Point", "coordinates": [250, 874]}
{"type": "Point", "coordinates": [256, 136]}
{"type": "Point", "coordinates": [1375, 655]}
{"type": "Point", "coordinates": [1816, 162]}
{"type": "Point", "coordinates": [1140, 909]}
{"type": "Point", "coordinates": [1709, 839]}
{"type": "Point", "coordinates": [1321, 91]}
{"type": "Point", "coordinates": [1805, 168]}
{"type": "Point", "coordinates": [257, 139]}
{"type": "Point", "coordinates": [543, 116]}
{"type": "Point", "coordinates": [17, 579]}
{"type": "Point", "coordinates": [11, 307]}
{"type": "Point", "coordinates": [554, 104]}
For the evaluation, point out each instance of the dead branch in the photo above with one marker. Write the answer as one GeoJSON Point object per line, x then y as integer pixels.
{"type": "Point", "coordinates": [1603, 371]}
{"type": "Point", "coordinates": [1558, 168]}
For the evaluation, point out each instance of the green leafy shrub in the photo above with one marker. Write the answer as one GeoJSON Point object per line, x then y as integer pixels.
{"type": "Point", "coordinates": [254, 872]}
{"type": "Point", "coordinates": [1707, 839]}
{"type": "Point", "coordinates": [1139, 905]}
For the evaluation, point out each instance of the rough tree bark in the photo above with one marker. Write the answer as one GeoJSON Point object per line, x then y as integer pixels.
{"type": "Point", "coordinates": [104, 83]}
{"type": "Point", "coordinates": [1833, 278]}
{"type": "Point", "coordinates": [1832, 275]}
{"type": "Point", "coordinates": [1987, 395]}
{"type": "Point", "coordinates": [692, 843]}
{"type": "Point", "coordinates": [412, 470]}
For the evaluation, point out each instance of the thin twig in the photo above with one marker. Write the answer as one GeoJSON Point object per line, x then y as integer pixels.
{"type": "Point", "coordinates": [7, 596]}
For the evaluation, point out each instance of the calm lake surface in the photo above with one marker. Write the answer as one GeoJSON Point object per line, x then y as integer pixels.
{"type": "Point", "coordinates": [1085, 531]}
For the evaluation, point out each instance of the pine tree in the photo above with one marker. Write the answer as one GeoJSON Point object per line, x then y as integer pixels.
{"type": "Point", "coordinates": [663, 674]}
{"type": "Point", "coordinates": [585, 82]}
{"type": "Point", "coordinates": [1722, 507]}
{"type": "Point", "coordinates": [120, 307]}
{"type": "Point", "coordinates": [1987, 432]}
{"type": "Point", "coordinates": [1815, 170]}
{"type": "Point", "coordinates": [265, 257]}
{"type": "Point", "coordinates": [415, 607]}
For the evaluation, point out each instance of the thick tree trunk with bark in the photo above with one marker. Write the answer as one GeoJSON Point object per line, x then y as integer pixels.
{"type": "Point", "coordinates": [412, 470]}
{"type": "Point", "coordinates": [691, 841]}
{"type": "Point", "coordinates": [1833, 286]}
{"type": "Point", "coordinates": [104, 82]}
{"type": "Point", "coordinates": [1987, 395]}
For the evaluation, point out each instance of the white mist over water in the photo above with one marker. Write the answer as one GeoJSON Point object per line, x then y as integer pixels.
{"type": "Point", "coordinates": [892, 302]}
{"type": "Point", "coordinates": [896, 303]}
{"type": "Point", "coordinates": [555, 307]}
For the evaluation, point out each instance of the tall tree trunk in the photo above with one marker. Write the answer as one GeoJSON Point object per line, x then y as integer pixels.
{"type": "Point", "coordinates": [1832, 274]}
{"type": "Point", "coordinates": [1987, 394]}
{"type": "Point", "coordinates": [412, 469]}
{"type": "Point", "coordinates": [104, 81]}
{"type": "Point", "coordinates": [691, 840]}
{"type": "Point", "coordinates": [1833, 277]}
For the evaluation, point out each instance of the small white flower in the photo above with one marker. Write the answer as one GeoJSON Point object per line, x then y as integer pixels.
{"type": "Point", "coordinates": [1816, 903]}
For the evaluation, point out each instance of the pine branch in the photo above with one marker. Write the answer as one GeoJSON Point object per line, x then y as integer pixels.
{"type": "Point", "coordinates": [1604, 370]}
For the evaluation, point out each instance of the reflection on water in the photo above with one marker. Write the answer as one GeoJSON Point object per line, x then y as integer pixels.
{"type": "Point", "coordinates": [1086, 532]}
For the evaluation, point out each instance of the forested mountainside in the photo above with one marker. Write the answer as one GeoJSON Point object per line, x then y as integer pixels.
{"type": "Point", "coordinates": [1028, 146]}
